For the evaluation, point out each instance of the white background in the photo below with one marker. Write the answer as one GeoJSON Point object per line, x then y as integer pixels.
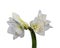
{"type": "Point", "coordinates": [28, 10]}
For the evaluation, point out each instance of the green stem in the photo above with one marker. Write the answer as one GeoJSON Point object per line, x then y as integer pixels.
{"type": "Point", "coordinates": [34, 44]}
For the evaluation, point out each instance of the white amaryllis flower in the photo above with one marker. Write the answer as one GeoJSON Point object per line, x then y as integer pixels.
{"type": "Point", "coordinates": [15, 26]}
{"type": "Point", "coordinates": [40, 24]}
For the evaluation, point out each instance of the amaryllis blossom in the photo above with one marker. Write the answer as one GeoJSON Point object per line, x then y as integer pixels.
{"type": "Point", "coordinates": [40, 24]}
{"type": "Point", "coordinates": [15, 26]}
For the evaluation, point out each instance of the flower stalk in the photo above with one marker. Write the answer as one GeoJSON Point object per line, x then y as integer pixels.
{"type": "Point", "coordinates": [34, 42]}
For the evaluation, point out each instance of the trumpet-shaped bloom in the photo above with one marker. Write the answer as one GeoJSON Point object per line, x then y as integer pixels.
{"type": "Point", "coordinates": [15, 26]}
{"type": "Point", "coordinates": [40, 24]}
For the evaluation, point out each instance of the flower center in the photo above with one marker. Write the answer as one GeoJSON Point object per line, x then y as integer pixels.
{"type": "Point", "coordinates": [35, 26]}
{"type": "Point", "coordinates": [38, 27]}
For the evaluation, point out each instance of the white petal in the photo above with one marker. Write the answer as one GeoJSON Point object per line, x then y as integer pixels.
{"type": "Point", "coordinates": [47, 22]}
{"type": "Point", "coordinates": [11, 19]}
{"type": "Point", "coordinates": [18, 33]}
{"type": "Point", "coordinates": [14, 29]}
{"type": "Point", "coordinates": [11, 30]}
{"type": "Point", "coordinates": [11, 22]}
{"type": "Point", "coordinates": [39, 13]}
{"type": "Point", "coordinates": [16, 17]}
{"type": "Point", "coordinates": [41, 33]}
{"type": "Point", "coordinates": [47, 27]}
{"type": "Point", "coordinates": [22, 34]}
{"type": "Point", "coordinates": [14, 23]}
{"type": "Point", "coordinates": [32, 22]}
{"type": "Point", "coordinates": [14, 37]}
{"type": "Point", "coordinates": [43, 17]}
{"type": "Point", "coordinates": [36, 19]}
{"type": "Point", "coordinates": [40, 17]}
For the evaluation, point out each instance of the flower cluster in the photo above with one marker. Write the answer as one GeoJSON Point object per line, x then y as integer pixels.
{"type": "Point", "coordinates": [17, 25]}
